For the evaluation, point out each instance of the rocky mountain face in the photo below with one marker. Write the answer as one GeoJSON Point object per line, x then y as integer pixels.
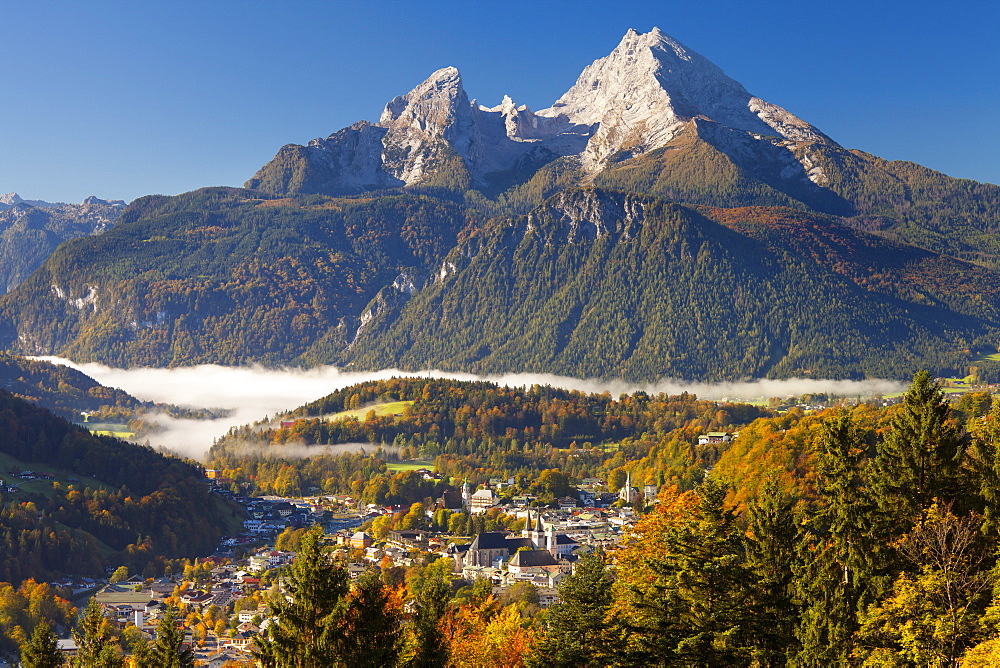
{"type": "Point", "coordinates": [31, 229]}
{"type": "Point", "coordinates": [11, 199]}
{"type": "Point", "coordinates": [653, 117]}
{"type": "Point", "coordinates": [658, 219]}
{"type": "Point", "coordinates": [635, 100]}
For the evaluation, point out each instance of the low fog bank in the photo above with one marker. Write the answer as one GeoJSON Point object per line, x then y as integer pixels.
{"type": "Point", "coordinates": [301, 451]}
{"type": "Point", "coordinates": [254, 393]}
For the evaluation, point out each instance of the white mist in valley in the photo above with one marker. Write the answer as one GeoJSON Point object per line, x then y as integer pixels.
{"type": "Point", "coordinates": [255, 393]}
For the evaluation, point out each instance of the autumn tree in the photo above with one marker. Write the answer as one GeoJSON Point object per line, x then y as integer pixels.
{"type": "Point", "coordinates": [484, 636]}
{"type": "Point", "coordinates": [120, 575]}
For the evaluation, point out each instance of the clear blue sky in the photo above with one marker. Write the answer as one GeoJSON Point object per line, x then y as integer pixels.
{"type": "Point", "coordinates": [123, 99]}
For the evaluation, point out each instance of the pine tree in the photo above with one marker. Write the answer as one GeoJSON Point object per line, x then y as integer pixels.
{"type": "Point", "coordinates": [374, 625]}
{"type": "Point", "coordinates": [431, 593]}
{"type": "Point", "coordinates": [308, 630]}
{"type": "Point", "coordinates": [919, 459]}
{"type": "Point", "coordinates": [96, 647]}
{"type": "Point", "coordinates": [984, 464]}
{"type": "Point", "coordinates": [42, 650]}
{"type": "Point", "coordinates": [842, 560]}
{"type": "Point", "coordinates": [575, 630]}
{"type": "Point", "coordinates": [168, 649]}
{"type": "Point", "coordinates": [684, 594]}
{"type": "Point", "coordinates": [770, 555]}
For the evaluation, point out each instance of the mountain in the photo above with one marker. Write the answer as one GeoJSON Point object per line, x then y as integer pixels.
{"type": "Point", "coordinates": [31, 230]}
{"type": "Point", "coordinates": [654, 117]}
{"type": "Point", "coordinates": [635, 100]}
{"type": "Point", "coordinates": [12, 199]}
{"type": "Point", "coordinates": [65, 391]}
{"type": "Point", "coordinates": [610, 284]}
{"type": "Point", "coordinates": [106, 503]}
{"type": "Point", "coordinates": [657, 219]}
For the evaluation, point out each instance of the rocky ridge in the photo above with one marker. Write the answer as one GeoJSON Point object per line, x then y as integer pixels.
{"type": "Point", "coordinates": [633, 101]}
{"type": "Point", "coordinates": [31, 229]}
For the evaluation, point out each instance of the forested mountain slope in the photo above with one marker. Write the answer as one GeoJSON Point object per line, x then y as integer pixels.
{"type": "Point", "coordinates": [134, 506]}
{"type": "Point", "coordinates": [29, 234]}
{"type": "Point", "coordinates": [607, 284]}
{"type": "Point", "coordinates": [225, 276]}
{"type": "Point", "coordinates": [64, 391]}
{"type": "Point", "coordinates": [592, 283]}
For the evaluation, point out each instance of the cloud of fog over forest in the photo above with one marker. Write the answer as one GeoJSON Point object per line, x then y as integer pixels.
{"type": "Point", "coordinates": [253, 393]}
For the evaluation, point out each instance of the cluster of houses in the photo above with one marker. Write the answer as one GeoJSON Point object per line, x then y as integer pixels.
{"type": "Point", "coordinates": [11, 488]}
{"type": "Point", "coordinates": [542, 554]}
{"type": "Point", "coordinates": [142, 603]}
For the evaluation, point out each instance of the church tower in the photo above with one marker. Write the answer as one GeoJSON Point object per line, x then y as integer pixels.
{"type": "Point", "coordinates": [535, 531]}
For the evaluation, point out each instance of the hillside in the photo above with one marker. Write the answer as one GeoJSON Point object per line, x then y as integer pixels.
{"type": "Point", "coordinates": [29, 232]}
{"type": "Point", "coordinates": [64, 391]}
{"type": "Point", "coordinates": [225, 276]}
{"type": "Point", "coordinates": [605, 284]}
{"type": "Point", "coordinates": [145, 506]}
{"type": "Point", "coordinates": [475, 431]}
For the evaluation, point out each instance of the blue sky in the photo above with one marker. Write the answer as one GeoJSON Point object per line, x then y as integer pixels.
{"type": "Point", "coordinates": [122, 99]}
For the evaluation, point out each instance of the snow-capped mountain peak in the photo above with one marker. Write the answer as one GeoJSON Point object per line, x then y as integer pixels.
{"type": "Point", "coordinates": [647, 90]}
{"type": "Point", "coordinates": [639, 98]}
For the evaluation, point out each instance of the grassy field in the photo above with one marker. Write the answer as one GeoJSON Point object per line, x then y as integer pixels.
{"type": "Point", "coordinates": [411, 465]}
{"type": "Point", "coordinates": [108, 429]}
{"type": "Point", "coordinates": [391, 408]}
{"type": "Point", "coordinates": [10, 464]}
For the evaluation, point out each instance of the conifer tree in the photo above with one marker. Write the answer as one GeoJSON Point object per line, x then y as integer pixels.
{"type": "Point", "coordinates": [373, 635]}
{"type": "Point", "coordinates": [168, 649]}
{"type": "Point", "coordinates": [838, 551]}
{"type": "Point", "coordinates": [684, 594]}
{"type": "Point", "coordinates": [431, 593]}
{"type": "Point", "coordinates": [42, 650]}
{"type": "Point", "coordinates": [770, 555]}
{"type": "Point", "coordinates": [919, 459]}
{"type": "Point", "coordinates": [575, 631]}
{"type": "Point", "coordinates": [96, 647]}
{"type": "Point", "coordinates": [308, 630]}
{"type": "Point", "coordinates": [984, 464]}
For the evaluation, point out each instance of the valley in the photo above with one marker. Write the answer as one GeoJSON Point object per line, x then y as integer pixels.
{"type": "Point", "coordinates": [660, 374]}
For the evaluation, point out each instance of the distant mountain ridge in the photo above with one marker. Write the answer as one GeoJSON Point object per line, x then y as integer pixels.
{"type": "Point", "coordinates": [31, 229]}
{"type": "Point", "coordinates": [657, 220]}
{"type": "Point", "coordinates": [12, 199]}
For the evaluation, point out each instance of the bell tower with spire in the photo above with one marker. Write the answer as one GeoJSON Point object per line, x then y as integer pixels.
{"type": "Point", "coordinates": [535, 532]}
